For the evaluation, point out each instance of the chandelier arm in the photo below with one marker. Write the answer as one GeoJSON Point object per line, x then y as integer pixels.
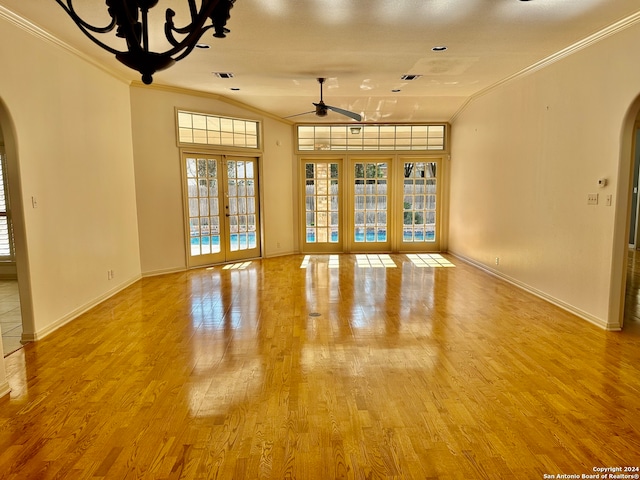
{"type": "Point", "coordinates": [81, 23]}
{"type": "Point", "coordinates": [192, 9]}
{"type": "Point", "coordinates": [145, 29]}
{"type": "Point", "coordinates": [87, 28]}
{"type": "Point", "coordinates": [216, 10]}
{"type": "Point", "coordinates": [190, 46]}
{"type": "Point", "coordinates": [188, 43]}
{"type": "Point", "coordinates": [129, 27]}
{"type": "Point", "coordinates": [194, 14]}
{"type": "Point", "coordinates": [169, 28]}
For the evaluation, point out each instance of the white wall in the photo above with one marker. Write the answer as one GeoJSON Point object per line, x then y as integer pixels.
{"type": "Point", "coordinates": [159, 181]}
{"type": "Point", "coordinates": [524, 157]}
{"type": "Point", "coordinates": [73, 149]}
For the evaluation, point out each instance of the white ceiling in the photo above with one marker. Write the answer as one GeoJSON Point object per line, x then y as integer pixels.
{"type": "Point", "coordinates": [277, 49]}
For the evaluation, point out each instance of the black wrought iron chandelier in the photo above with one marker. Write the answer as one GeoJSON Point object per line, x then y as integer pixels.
{"type": "Point", "coordinates": [130, 19]}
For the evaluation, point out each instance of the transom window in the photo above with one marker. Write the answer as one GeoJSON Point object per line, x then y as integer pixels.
{"type": "Point", "coordinates": [203, 129]}
{"type": "Point", "coordinates": [371, 137]}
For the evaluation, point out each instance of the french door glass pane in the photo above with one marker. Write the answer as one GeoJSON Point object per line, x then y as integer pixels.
{"type": "Point", "coordinates": [419, 199]}
{"type": "Point", "coordinates": [370, 202]}
{"type": "Point", "coordinates": [241, 205]}
{"type": "Point", "coordinates": [204, 216]}
{"type": "Point", "coordinates": [321, 202]}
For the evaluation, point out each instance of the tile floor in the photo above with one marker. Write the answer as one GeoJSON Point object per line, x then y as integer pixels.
{"type": "Point", "coordinates": [10, 317]}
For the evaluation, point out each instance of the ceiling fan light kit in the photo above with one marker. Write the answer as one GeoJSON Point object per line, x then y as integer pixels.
{"type": "Point", "coordinates": [130, 19]}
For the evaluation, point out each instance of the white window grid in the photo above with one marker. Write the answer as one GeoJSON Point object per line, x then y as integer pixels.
{"type": "Point", "coordinates": [372, 137]}
{"type": "Point", "coordinates": [6, 237]}
{"type": "Point", "coordinates": [204, 129]}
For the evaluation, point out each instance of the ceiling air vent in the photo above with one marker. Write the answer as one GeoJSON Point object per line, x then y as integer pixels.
{"type": "Point", "coordinates": [410, 77]}
{"type": "Point", "coordinates": [223, 74]}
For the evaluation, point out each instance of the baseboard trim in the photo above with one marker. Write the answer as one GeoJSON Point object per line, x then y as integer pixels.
{"type": "Point", "coordinates": [280, 254]}
{"type": "Point", "coordinates": [5, 389]}
{"type": "Point", "coordinates": [40, 334]}
{"type": "Point", "coordinates": [540, 294]}
{"type": "Point", "coordinates": [164, 271]}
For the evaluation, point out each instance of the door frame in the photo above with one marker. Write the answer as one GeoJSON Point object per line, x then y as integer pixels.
{"type": "Point", "coordinates": [222, 155]}
{"type": "Point", "coordinates": [338, 247]}
{"type": "Point", "coordinates": [441, 205]}
{"type": "Point", "coordinates": [622, 218]}
{"type": "Point", "coordinates": [18, 220]}
{"type": "Point", "coordinates": [396, 157]}
{"type": "Point", "coordinates": [350, 244]}
{"type": "Point", "coordinates": [634, 222]}
{"type": "Point", "coordinates": [237, 255]}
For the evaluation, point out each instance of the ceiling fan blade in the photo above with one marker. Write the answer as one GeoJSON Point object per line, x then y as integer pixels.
{"type": "Point", "coordinates": [357, 117]}
{"type": "Point", "coordinates": [298, 114]}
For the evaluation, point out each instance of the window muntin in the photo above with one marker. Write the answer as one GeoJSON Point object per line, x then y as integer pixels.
{"type": "Point", "coordinates": [241, 210]}
{"type": "Point", "coordinates": [203, 205]}
{"type": "Point", "coordinates": [221, 207]}
{"type": "Point", "coordinates": [204, 129]}
{"type": "Point", "coordinates": [419, 202]}
{"type": "Point", "coordinates": [371, 137]}
{"type": "Point", "coordinates": [370, 202]}
{"type": "Point", "coordinates": [322, 202]}
{"type": "Point", "coordinates": [6, 237]}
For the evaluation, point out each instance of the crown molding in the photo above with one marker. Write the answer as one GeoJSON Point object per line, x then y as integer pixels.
{"type": "Point", "coordinates": [36, 31]}
{"type": "Point", "coordinates": [208, 95]}
{"type": "Point", "coordinates": [570, 50]}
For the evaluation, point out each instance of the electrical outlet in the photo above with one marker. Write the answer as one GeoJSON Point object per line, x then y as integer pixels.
{"type": "Point", "coordinates": [592, 199]}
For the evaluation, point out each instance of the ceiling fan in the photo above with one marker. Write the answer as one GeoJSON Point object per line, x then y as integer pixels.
{"type": "Point", "coordinates": [322, 108]}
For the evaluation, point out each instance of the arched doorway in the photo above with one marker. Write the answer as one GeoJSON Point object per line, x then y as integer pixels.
{"type": "Point", "coordinates": [623, 217]}
{"type": "Point", "coordinates": [14, 199]}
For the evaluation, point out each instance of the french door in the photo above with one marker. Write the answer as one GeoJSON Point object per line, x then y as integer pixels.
{"type": "Point", "coordinates": [373, 204]}
{"type": "Point", "coordinates": [369, 204]}
{"type": "Point", "coordinates": [322, 187]}
{"type": "Point", "coordinates": [221, 208]}
{"type": "Point", "coordinates": [418, 227]}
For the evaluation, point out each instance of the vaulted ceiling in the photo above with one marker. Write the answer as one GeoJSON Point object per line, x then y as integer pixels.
{"type": "Point", "coordinates": [278, 48]}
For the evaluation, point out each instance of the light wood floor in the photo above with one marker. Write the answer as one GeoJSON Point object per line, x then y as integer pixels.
{"type": "Point", "coordinates": [320, 373]}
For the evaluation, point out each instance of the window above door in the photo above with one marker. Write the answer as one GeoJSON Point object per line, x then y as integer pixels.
{"type": "Point", "coordinates": [352, 137]}
{"type": "Point", "coordinates": [215, 131]}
